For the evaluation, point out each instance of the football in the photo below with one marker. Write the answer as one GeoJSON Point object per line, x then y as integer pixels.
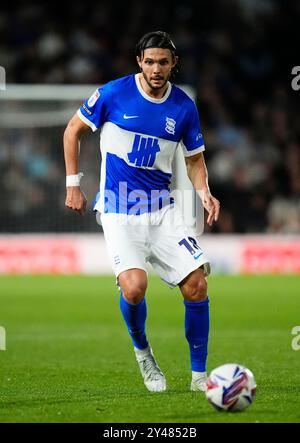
{"type": "Point", "coordinates": [231, 387]}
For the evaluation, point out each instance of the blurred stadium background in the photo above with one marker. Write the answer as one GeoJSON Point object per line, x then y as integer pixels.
{"type": "Point", "coordinates": [234, 60]}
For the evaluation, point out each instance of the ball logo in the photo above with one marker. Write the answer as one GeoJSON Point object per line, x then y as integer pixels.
{"type": "Point", "coordinates": [92, 100]}
{"type": "Point", "coordinates": [230, 394]}
{"type": "Point", "coordinates": [170, 125]}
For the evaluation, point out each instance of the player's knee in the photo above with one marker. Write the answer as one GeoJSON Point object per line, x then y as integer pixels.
{"type": "Point", "coordinates": [197, 291]}
{"type": "Point", "coordinates": [134, 294]}
{"type": "Point", "coordinates": [133, 284]}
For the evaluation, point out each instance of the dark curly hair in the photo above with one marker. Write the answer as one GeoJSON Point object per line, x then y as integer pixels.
{"type": "Point", "coordinates": [156, 39]}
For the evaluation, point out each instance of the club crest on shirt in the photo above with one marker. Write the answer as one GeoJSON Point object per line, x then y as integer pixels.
{"type": "Point", "coordinates": [93, 98]}
{"type": "Point", "coordinates": [170, 125]}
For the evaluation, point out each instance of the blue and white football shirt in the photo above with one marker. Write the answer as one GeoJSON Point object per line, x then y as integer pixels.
{"type": "Point", "coordinates": [138, 139]}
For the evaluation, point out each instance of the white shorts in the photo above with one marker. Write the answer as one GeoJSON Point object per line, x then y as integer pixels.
{"type": "Point", "coordinates": [160, 238]}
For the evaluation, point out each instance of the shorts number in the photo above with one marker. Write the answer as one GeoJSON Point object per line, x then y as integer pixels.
{"type": "Point", "coordinates": [187, 243]}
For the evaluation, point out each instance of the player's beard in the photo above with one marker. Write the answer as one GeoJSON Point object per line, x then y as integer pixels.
{"type": "Point", "coordinates": [156, 88]}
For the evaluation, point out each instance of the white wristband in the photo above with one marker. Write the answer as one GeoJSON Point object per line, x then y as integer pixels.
{"type": "Point", "coordinates": [73, 180]}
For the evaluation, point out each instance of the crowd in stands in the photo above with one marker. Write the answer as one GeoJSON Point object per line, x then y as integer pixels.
{"type": "Point", "coordinates": [234, 53]}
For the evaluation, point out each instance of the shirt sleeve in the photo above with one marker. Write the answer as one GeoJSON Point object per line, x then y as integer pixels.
{"type": "Point", "coordinates": [93, 111]}
{"type": "Point", "coordinates": [192, 141]}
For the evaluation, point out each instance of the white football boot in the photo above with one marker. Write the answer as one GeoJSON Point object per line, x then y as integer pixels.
{"type": "Point", "coordinates": [199, 381]}
{"type": "Point", "coordinates": [154, 379]}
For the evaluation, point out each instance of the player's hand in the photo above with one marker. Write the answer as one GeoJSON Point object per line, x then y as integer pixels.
{"type": "Point", "coordinates": [76, 200]}
{"type": "Point", "coordinates": [212, 205]}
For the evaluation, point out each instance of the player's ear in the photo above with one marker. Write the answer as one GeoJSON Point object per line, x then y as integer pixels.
{"type": "Point", "coordinates": [139, 62]}
{"type": "Point", "coordinates": [175, 60]}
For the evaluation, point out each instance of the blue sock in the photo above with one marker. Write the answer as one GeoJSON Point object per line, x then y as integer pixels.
{"type": "Point", "coordinates": [196, 332]}
{"type": "Point", "coordinates": [135, 319]}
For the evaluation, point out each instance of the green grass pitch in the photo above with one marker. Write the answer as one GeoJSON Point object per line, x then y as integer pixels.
{"type": "Point", "coordinates": [69, 357]}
